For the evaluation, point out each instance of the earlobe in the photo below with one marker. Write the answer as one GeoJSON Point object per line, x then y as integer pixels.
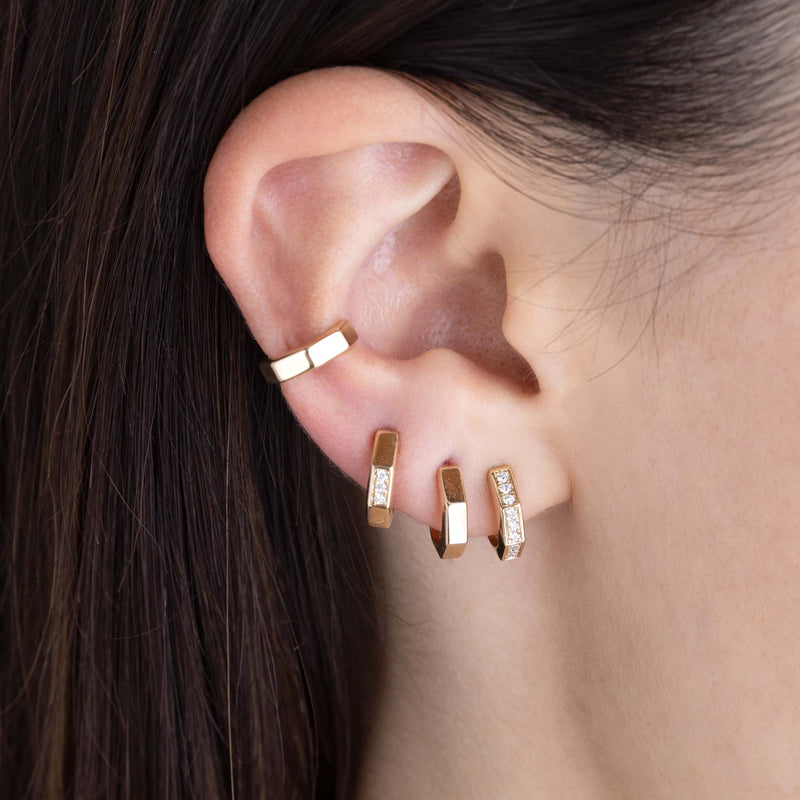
{"type": "Point", "coordinates": [340, 195]}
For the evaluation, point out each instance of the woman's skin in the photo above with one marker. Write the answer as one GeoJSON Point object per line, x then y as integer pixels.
{"type": "Point", "coordinates": [645, 645]}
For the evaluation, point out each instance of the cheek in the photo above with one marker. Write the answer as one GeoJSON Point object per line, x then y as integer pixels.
{"type": "Point", "coordinates": [683, 539]}
{"type": "Point", "coordinates": [698, 429]}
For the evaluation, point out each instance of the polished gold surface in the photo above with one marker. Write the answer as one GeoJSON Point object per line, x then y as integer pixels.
{"type": "Point", "coordinates": [510, 537]}
{"type": "Point", "coordinates": [381, 479]}
{"type": "Point", "coordinates": [451, 540]}
{"type": "Point", "coordinates": [332, 343]}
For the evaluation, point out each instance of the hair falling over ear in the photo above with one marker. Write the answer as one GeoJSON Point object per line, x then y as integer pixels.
{"type": "Point", "coordinates": [185, 606]}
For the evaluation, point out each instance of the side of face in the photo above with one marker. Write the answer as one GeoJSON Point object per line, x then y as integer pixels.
{"type": "Point", "coordinates": [658, 453]}
{"type": "Point", "coordinates": [676, 565]}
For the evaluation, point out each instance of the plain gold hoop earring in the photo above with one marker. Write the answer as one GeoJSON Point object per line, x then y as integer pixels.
{"type": "Point", "coordinates": [451, 540]}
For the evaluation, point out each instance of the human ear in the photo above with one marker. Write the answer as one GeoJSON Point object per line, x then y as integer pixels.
{"type": "Point", "coordinates": [347, 194]}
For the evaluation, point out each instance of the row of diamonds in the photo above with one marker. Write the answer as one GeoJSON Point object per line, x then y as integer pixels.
{"type": "Point", "coordinates": [505, 486]}
{"type": "Point", "coordinates": [513, 526]}
{"type": "Point", "coordinates": [380, 487]}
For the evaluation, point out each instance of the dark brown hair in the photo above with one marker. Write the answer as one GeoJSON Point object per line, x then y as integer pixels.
{"type": "Point", "coordinates": [187, 608]}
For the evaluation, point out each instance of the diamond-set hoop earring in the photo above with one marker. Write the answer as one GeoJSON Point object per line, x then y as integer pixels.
{"type": "Point", "coordinates": [510, 537]}
{"type": "Point", "coordinates": [381, 479]}
{"type": "Point", "coordinates": [451, 540]}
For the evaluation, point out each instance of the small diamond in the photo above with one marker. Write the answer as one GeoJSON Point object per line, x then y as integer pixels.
{"type": "Point", "coordinates": [513, 551]}
{"type": "Point", "coordinates": [508, 499]}
{"type": "Point", "coordinates": [504, 476]}
{"type": "Point", "coordinates": [513, 534]}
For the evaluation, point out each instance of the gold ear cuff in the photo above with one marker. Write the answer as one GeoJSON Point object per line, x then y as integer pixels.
{"type": "Point", "coordinates": [381, 479]}
{"type": "Point", "coordinates": [510, 537]}
{"type": "Point", "coordinates": [332, 343]}
{"type": "Point", "coordinates": [451, 540]}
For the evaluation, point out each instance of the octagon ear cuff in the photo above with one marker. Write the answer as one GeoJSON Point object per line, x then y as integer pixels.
{"type": "Point", "coordinates": [335, 341]}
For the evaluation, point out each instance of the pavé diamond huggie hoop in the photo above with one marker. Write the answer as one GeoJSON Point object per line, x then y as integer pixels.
{"type": "Point", "coordinates": [451, 540]}
{"type": "Point", "coordinates": [332, 343]}
{"type": "Point", "coordinates": [510, 537]}
{"type": "Point", "coordinates": [381, 479]}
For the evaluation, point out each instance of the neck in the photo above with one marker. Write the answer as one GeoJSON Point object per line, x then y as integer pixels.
{"type": "Point", "coordinates": [475, 699]}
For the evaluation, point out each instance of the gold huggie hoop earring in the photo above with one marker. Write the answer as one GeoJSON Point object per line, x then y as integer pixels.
{"type": "Point", "coordinates": [381, 479]}
{"type": "Point", "coordinates": [510, 537]}
{"type": "Point", "coordinates": [451, 540]}
{"type": "Point", "coordinates": [332, 343]}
